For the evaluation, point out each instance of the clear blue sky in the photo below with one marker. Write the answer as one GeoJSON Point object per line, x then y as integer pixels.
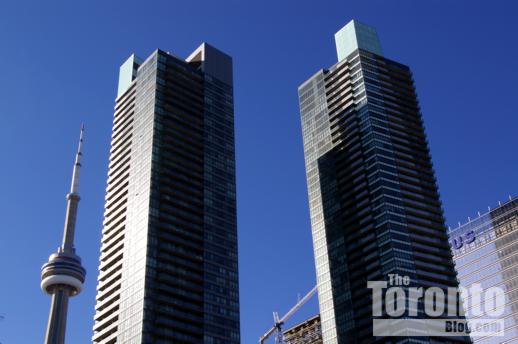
{"type": "Point", "coordinates": [60, 63]}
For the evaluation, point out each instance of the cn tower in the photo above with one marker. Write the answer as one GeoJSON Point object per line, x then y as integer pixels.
{"type": "Point", "coordinates": [63, 275]}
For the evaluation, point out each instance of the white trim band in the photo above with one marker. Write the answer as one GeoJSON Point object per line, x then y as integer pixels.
{"type": "Point", "coordinates": [62, 279]}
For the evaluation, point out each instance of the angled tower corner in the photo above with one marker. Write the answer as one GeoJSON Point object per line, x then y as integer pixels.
{"type": "Point", "coordinates": [356, 35]}
{"type": "Point", "coordinates": [213, 62]}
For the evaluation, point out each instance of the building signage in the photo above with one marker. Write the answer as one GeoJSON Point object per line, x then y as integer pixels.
{"type": "Point", "coordinates": [461, 240]}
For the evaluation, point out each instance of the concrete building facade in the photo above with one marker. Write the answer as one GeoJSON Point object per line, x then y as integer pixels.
{"type": "Point", "coordinates": [307, 332]}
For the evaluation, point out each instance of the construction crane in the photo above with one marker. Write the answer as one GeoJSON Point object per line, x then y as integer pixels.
{"type": "Point", "coordinates": [278, 322]}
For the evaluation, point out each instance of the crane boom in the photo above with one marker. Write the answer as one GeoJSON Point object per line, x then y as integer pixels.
{"type": "Point", "coordinates": [280, 322]}
{"type": "Point", "coordinates": [299, 304]}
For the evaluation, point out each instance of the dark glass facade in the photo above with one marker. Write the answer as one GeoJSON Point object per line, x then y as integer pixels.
{"type": "Point", "coordinates": [485, 251]}
{"type": "Point", "coordinates": [374, 204]}
{"type": "Point", "coordinates": [168, 271]}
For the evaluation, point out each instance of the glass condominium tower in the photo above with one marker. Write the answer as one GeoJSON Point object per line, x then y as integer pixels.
{"type": "Point", "coordinates": [168, 268]}
{"type": "Point", "coordinates": [485, 251]}
{"type": "Point", "coordinates": [373, 197]}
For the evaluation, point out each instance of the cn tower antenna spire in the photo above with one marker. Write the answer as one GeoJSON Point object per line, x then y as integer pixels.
{"type": "Point", "coordinates": [74, 187]}
{"type": "Point", "coordinates": [63, 275]}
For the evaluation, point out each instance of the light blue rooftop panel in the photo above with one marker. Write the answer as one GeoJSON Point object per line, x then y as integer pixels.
{"type": "Point", "coordinates": [356, 35]}
{"type": "Point", "coordinates": [127, 73]}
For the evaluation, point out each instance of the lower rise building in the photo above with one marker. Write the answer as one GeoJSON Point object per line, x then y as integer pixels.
{"type": "Point", "coordinates": [307, 332]}
{"type": "Point", "coordinates": [485, 251]}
